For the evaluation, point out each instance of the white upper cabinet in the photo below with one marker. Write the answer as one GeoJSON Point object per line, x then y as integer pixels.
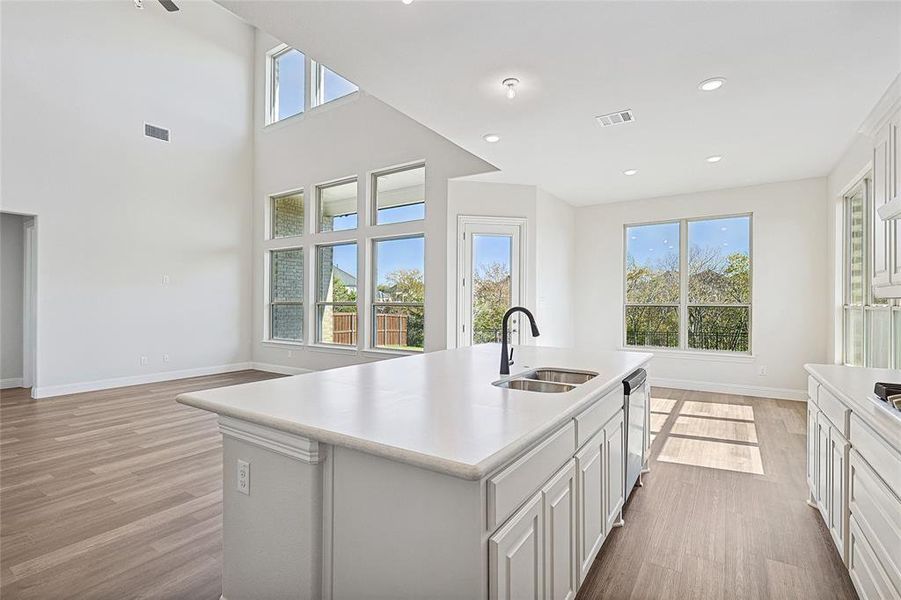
{"type": "Point", "coordinates": [885, 210]}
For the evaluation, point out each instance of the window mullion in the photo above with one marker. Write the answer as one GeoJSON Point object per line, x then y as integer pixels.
{"type": "Point", "coordinates": [683, 284]}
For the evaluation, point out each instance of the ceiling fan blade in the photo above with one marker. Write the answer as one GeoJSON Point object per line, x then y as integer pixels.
{"type": "Point", "coordinates": [169, 5]}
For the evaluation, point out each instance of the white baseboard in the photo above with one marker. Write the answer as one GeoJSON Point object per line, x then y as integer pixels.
{"type": "Point", "coordinates": [11, 382]}
{"type": "Point", "coordinates": [48, 391]}
{"type": "Point", "coordinates": [282, 369]}
{"type": "Point", "coordinates": [730, 388]}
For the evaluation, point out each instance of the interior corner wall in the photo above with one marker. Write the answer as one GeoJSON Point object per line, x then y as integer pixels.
{"type": "Point", "coordinates": [558, 279]}
{"type": "Point", "coordinates": [117, 211]}
{"type": "Point", "coordinates": [12, 244]}
{"type": "Point", "coordinates": [350, 136]}
{"type": "Point", "coordinates": [789, 281]}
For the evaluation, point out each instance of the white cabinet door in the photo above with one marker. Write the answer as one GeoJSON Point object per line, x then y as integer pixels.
{"type": "Point", "coordinates": [614, 470]}
{"type": "Point", "coordinates": [822, 495]}
{"type": "Point", "coordinates": [879, 228]}
{"type": "Point", "coordinates": [590, 501]}
{"type": "Point", "coordinates": [515, 556]}
{"type": "Point", "coordinates": [838, 491]}
{"type": "Point", "coordinates": [561, 574]}
{"type": "Point", "coordinates": [894, 189]}
{"type": "Point", "coordinates": [812, 449]}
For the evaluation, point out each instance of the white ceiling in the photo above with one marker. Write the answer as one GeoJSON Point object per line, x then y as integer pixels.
{"type": "Point", "coordinates": [802, 76]}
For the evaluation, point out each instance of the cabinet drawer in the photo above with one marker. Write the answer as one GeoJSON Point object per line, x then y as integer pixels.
{"type": "Point", "coordinates": [868, 576]}
{"type": "Point", "coordinates": [512, 486]}
{"type": "Point", "coordinates": [834, 410]}
{"type": "Point", "coordinates": [590, 421]}
{"type": "Point", "coordinates": [812, 386]}
{"type": "Point", "coordinates": [877, 513]}
{"type": "Point", "coordinates": [880, 456]}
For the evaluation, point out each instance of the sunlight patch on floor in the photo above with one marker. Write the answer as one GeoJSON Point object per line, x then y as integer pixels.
{"type": "Point", "coordinates": [662, 405]}
{"type": "Point", "coordinates": [712, 454]}
{"type": "Point", "coordinates": [719, 429]}
{"type": "Point", "coordinates": [717, 410]}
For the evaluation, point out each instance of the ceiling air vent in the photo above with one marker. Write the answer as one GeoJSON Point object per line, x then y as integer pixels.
{"type": "Point", "coordinates": [156, 132]}
{"type": "Point", "coordinates": [618, 118]}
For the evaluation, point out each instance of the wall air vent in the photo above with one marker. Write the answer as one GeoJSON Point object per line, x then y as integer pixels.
{"type": "Point", "coordinates": [620, 117]}
{"type": "Point", "coordinates": [156, 132]}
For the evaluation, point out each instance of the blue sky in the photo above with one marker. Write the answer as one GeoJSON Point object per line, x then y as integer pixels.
{"type": "Point", "coordinates": [489, 249]}
{"type": "Point", "coordinates": [404, 253]}
{"type": "Point", "coordinates": [290, 84]}
{"type": "Point", "coordinates": [647, 243]}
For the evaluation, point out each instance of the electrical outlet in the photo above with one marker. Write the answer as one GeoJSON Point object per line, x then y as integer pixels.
{"type": "Point", "coordinates": [165, 280]}
{"type": "Point", "coordinates": [761, 370]}
{"type": "Point", "coordinates": [143, 361]}
{"type": "Point", "coordinates": [165, 358]}
{"type": "Point", "coordinates": [243, 483]}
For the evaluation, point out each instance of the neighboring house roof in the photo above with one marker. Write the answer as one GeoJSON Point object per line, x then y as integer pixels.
{"type": "Point", "coordinates": [344, 277]}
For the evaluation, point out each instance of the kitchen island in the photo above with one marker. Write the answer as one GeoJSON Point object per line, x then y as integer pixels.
{"type": "Point", "coordinates": [417, 477]}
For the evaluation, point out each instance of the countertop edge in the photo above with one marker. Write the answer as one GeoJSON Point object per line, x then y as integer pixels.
{"type": "Point", "coordinates": [471, 472]}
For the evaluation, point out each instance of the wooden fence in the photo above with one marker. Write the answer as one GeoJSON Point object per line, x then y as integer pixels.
{"type": "Point", "coordinates": [390, 330]}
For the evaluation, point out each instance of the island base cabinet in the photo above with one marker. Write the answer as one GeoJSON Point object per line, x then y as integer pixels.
{"type": "Point", "coordinates": [838, 491]}
{"type": "Point", "coordinates": [614, 475]}
{"type": "Point", "coordinates": [590, 504]}
{"type": "Point", "coordinates": [869, 578]}
{"type": "Point", "coordinates": [561, 576]}
{"type": "Point", "coordinates": [516, 555]}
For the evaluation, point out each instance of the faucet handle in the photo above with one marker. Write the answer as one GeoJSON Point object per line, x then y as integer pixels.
{"type": "Point", "coordinates": [510, 362]}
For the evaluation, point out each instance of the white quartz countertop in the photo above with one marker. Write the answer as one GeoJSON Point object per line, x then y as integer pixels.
{"type": "Point", "coordinates": [437, 410]}
{"type": "Point", "coordinates": [854, 387]}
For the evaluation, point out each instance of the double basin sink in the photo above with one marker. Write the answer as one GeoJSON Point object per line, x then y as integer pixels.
{"type": "Point", "coordinates": [547, 380]}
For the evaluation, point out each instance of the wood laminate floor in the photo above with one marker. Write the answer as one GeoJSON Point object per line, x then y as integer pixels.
{"type": "Point", "coordinates": [117, 494]}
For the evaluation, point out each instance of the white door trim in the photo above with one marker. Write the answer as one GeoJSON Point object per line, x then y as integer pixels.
{"type": "Point", "coordinates": [29, 304]}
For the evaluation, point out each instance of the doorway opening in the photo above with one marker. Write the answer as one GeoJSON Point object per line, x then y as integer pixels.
{"type": "Point", "coordinates": [18, 287]}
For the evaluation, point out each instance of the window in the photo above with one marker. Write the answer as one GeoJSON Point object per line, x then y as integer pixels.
{"type": "Point", "coordinates": [287, 215]}
{"type": "Point", "coordinates": [337, 206]}
{"type": "Point", "coordinates": [398, 305]}
{"type": "Point", "coordinates": [287, 74]}
{"type": "Point", "coordinates": [288, 90]}
{"type": "Point", "coordinates": [872, 325]}
{"type": "Point", "coordinates": [336, 296]}
{"type": "Point", "coordinates": [399, 195]}
{"type": "Point", "coordinates": [286, 294]}
{"type": "Point", "coordinates": [331, 86]}
{"type": "Point", "coordinates": [688, 284]}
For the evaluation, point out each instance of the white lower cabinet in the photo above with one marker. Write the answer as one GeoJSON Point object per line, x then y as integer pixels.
{"type": "Point", "coordinates": [822, 483]}
{"type": "Point", "coordinates": [812, 448]}
{"type": "Point", "coordinates": [590, 502]}
{"type": "Point", "coordinates": [614, 463]}
{"type": "Point", "coordinates": [837, 520]}
{"type": "Point", "coordinates": [561, 575]}
{"type": "Point", "coordinates": [868, 575]}
{"type": "Point", "coordinates": [516, 555]}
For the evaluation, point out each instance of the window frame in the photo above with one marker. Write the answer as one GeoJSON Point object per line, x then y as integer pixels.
{"type": "Point", "coordinates": [373, 293]}
{"type": "Point", "coordinates": [272, 214]}
{"type": "Point", "coordinates": [374, 193]}
{"type": "Point", "coordinates": [322, 303]}
{"type": "Point", "coordinates": [317, 90]}
{"type": "Point", "coordinates": [272, 83]}
{"type": "Point", "coordinates": [270, 301]}
{"type": "Point", "coordinates": [318, 208]}
{"type": "Point", "coordinates": [684, 304]}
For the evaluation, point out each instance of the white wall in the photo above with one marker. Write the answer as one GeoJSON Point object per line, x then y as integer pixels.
{"type": "Point", "coordinates": [790, 280]}
{"type": "Point", "coordinates": [550, 237]}
{"type": "Point", "coordinates": [354, 135]}
{"type": "Point", "coordinates": [11, 288]}
{"type": "Point", "coordinates": [118, 211]}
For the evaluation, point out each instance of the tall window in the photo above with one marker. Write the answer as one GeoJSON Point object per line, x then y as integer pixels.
{"type": "Point", "coordinates": [286, 294]}
{"type": "Point", "coordinates": [872, 325]}
{"type": "Point", "coordinates": [287, 215]}
{"type": "Point", "coordinates": [688, 284]}
{"type": "Point", "coordinates": [287, 88]}
{"type": "Point", "coordinates": [337, 205]}
{"type": "Point", "coordinates": [336, 295]}
{"type": "Point", "coordinates": [399, 195]}
{"type": "Point", "coordinates": [398, 300]}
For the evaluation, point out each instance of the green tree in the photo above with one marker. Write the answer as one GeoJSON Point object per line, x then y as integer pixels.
{"type": "Point", "coordinates": [490, 300]}
{"type": "Point", "coordinates": [407, 286]}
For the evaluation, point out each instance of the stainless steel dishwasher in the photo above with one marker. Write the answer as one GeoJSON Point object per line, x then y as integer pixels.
{"type": "Point", "coordinates": [636, 399]}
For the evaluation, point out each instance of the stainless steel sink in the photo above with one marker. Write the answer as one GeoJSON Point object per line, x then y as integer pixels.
{"type": "Point", "coordinates": [534, 385]}
{"type": "Point", "coordinates": [568, 376]}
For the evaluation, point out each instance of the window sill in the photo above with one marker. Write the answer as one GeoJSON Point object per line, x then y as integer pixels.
{"type": "Point", "coordinates": [384, 353]}
{"type": "Point", "coordinates": [334, 349]}
{"type": "Point", "coordinates": [313, 110]}
{"type": "Point", "coordinates": [694, 354]}
{"type": "Point", "coordinates": [282, 343]}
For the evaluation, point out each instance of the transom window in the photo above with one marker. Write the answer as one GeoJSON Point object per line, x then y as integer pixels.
{"type": "Point", "coordinates": [337, 205]}
{"type": "Point", "coordinates": [688, 284]}
{"type": "Point", "coordinates": [287, 215]}
{"type": "Point", "coordinates": [289, 91]}
{"type": "Point", "coordinates": [399, 195]}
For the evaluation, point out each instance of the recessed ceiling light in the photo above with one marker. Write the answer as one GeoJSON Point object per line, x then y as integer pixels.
{"type": "Point", "coordinates": [630, 172]}
{"type": "Point", "coordinates": [510, 84]}
{"type": "Point", "coordinates": [715, 158]}
{"type": "Point", "coordinates": [714, 83]}
{"type": "Point", "coordinates": [491, 138]}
